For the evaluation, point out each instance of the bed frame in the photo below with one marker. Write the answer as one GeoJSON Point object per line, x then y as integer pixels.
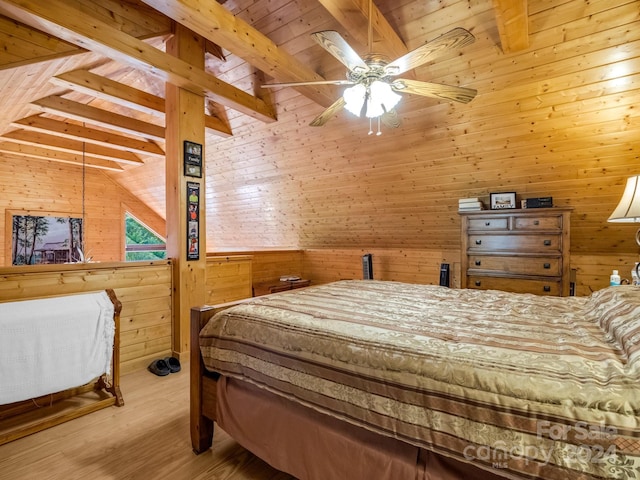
{"type": "Point", "coordinates": [23, 418]}
{"type": "Point", "coordinates": [203, 399]}
{"type": "Point", "coordinates": [203, 383]}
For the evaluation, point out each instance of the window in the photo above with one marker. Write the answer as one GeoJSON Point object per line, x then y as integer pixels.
{"type": "Point", "coordinates": [142, 243]}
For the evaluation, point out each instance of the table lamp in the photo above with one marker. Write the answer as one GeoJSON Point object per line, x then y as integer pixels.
{"type": "Point", "coordinates": [628, 210]}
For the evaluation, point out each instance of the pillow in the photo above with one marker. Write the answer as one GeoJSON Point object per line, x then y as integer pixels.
{"type": "Point", "coordinates": [617, 311]}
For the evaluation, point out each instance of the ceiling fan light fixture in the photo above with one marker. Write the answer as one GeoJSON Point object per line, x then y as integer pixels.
{"type": "Point", "coordinates": [381, 99]}
{"type": "Point", "coordinates": [354, 98]}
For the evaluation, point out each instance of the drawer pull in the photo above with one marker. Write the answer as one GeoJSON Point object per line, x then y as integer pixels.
{"type": "Point", "coordinates": [478, 283]}
{"type": "Point", "coordinates": [487, 224]}
{"type": "Point", "coordinates": [547, 266]}
{"type": "Point", "coordinates": [547, 288]}
{"type": "Point", "coordinates": [478, 263]}
{"type": "Point", "coordinates": [547, 243]}
{"type": "Point", "coordinates": [478, 242]}
{"type": "Point", "coordinates": [536, 222]}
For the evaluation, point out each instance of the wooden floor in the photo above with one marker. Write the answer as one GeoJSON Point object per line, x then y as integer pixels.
{"type": "Point", "coordinates": [147, 439]}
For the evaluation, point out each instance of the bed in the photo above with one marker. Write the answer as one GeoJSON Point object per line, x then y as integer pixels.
{"type": "Point", "coordinates": [374, 379]}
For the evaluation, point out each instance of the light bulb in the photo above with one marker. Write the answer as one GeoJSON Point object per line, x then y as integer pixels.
{"type": "Point", "coordinates": [354, 98]}
{"type": "Point", "coordinates": [381, 95]}
{"type": "Point", "coordinates": [374, 108]}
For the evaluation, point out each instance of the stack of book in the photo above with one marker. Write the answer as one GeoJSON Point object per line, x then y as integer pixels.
{"type": "Point", "coordinates": [470, 205]}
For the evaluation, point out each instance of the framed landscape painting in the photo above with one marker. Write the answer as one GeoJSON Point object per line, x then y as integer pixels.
{"type": "Point", "coordinates": [45, 238]}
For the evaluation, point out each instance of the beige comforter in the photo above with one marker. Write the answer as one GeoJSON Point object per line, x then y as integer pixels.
{"type": "Point", "coordinates": [537, 387]}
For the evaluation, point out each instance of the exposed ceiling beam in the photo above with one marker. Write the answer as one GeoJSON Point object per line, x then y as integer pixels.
{"type": "Point", "coordinates": [31, 152]}
{"type": "Point", "coordinates": [96, 116]}
{"type": "Point", "coordinates": [76, 26]}
{"type": "Point", "coordinates": [353, 15]}
{"type": "Point", "coordinates": [214, 50]}
{"type": "Point", "coordinates": [512, 17]}
{"type": "Point", "coordinates": [38, 123]}
{"type": "Point", "coordinates": [112, 91]}
{"type": "Point", "coordinates": [104, 88]}
{"type": "Point", "coordinates": [24, 45]}
{"type": "Point", "coordinates": [215, 23]}
{"type": "Point", "coordinates": [61, 144]}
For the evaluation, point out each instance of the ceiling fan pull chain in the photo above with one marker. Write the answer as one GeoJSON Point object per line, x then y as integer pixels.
{"type": "Point", "coordinates": [379, 132]}
{"type": "Point", "coordinates": [370, 129]}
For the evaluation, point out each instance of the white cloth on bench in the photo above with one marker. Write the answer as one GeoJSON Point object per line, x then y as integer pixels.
{"type": "Point", "coordinates": [52, 344]}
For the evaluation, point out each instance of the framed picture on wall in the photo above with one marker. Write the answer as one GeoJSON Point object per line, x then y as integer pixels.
{"type": "Point", "coordinates": [193, 221]}
{"type": "Point", "coordinates": [45, 237]}
{"type": "Point", "coordinates": [192, 159]}
{"type": "Point", "coordinates": [503, 200]}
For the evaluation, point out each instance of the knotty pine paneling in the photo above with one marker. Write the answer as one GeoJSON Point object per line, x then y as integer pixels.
{"type": "Point", "coordinates": [265, 267]}
{"type": "Point", "coordinates": [270, 265]}
{"type": "Point", "coordinates": [45, 186]}
{"type": "Point", "coordinates": [557, 119]}
{"type": "Point", "coordinates": [592, 271]}
{"type": "Point", "coordinates": [143, 288]}
{"type": "Point", "coordinates": [411, 265]}
{"type": "Point", "coordinates": [228, 278]}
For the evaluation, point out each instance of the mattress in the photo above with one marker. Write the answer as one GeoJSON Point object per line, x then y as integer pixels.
{"type": "Point", "coordinates": [539, 387]}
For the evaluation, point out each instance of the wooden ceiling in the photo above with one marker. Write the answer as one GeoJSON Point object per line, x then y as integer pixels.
{"type": "Point", "coordinates": [131, 35]}
{"type": "Point", "coordinates": [82, 81]}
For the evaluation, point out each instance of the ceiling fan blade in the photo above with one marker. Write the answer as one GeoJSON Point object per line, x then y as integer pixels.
{"type": "Point", "coordinates": [391, 118]}
{"type": "Point", "coordinates": [333, 43]}
{"type": "Point", "coordinates": [300, 84]}
{"type": "Point", "coordinates": [456, 38]}
{"type": "Point", "coordinates": [328, 113]}
{"type": "Point", "coordinates": [437, 90]}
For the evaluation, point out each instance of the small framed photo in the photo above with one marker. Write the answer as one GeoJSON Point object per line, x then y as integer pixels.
{"type": "Point", "coordinates": [500, 201]}
{"type": "Point", "coordinates": [192, 159]}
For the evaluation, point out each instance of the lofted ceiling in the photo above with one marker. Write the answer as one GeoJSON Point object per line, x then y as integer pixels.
{"type": "Point", "coordinates": [106, 109]}
{"type": "Point", "coordinates": [82, 82]}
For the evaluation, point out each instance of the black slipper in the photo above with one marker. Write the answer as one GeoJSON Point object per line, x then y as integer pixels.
{"type": "Point", "coordinates": [159, 367]}
{"type": "Point", "coordinates": [173, 364]}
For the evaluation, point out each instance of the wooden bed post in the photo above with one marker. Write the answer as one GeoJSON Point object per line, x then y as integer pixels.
{"type": "Point", "coordinates": [114, 388]}
{"type": "Point", "coordinates": [201, 426]}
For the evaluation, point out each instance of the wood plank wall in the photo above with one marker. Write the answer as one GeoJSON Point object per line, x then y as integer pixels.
{"type": "Point", "coordinates": [144, 288]}
{"type": "Point", "coordinates": [410, 265]}
{"type": "Point", "coordinates": [45, 186]}
{"type": "Point", "coordinates": [229, 278]}
{"type": "Point", "coordinates": [323, 265]}
{"type": "Point", "coordinates": [557, 119]}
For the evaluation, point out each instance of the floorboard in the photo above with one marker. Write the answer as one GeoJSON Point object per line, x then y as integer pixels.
{"type": "Point", "coordinates": [146, 439]}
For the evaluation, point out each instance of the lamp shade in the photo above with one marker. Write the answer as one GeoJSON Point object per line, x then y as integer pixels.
{"type": "Point", "coordinates": [354, 98]}
{"type": "Point", "coordinates": [628, 210]}
{"type": "Point", "coordinates": [381, 95]}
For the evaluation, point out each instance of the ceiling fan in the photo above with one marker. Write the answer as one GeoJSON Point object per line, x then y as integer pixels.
{"type": "Point", "coordinates": [374, 88]}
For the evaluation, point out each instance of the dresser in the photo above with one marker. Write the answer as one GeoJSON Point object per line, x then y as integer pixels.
{"type": "Point", "coordinates": [524, 251]}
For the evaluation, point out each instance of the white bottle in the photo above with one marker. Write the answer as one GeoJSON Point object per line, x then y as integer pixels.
{"type": "Point", "coordinates": [634, 275]}
{"type": "Point", "coordinates": [614, 280]}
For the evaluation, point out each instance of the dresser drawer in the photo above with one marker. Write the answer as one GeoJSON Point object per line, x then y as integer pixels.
{"type": "Point", "coordinates": [542, 266]}
{"type": "Point", "coordinates": [516, 285]}
{"type": "Point", "coordinates": [488, 223]}
{"type": "Point", "coordinates": [549, 222]}
{"type": "Point", "coordinates": [522, 243]}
